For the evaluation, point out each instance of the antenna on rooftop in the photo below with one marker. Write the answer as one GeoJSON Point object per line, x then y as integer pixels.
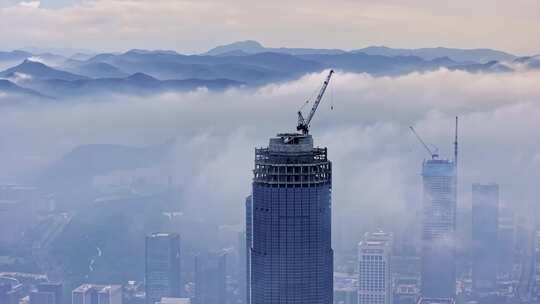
{"type": "Point", "coordinates": [456, 144]}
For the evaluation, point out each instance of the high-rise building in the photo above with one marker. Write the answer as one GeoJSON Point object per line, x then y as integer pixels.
{"type": "Point", "coordinates": [162, 269]}
{"type": "Point", "coordinates": [109, 294]}
{"type": "Point", "coordinates": [485, 225]}
{"type": "Point", "coordinates": [374, 269]}
{"type": "Point", "coordinates": [506, 242]}
{"type": "Point", "coordinates": [84, 294]}
{"type": "Point", "coordinates": [291, 252]}
{"type": "Point", "coordinates": [210, 278]}
{"type": "Point", "coordinates": [41, 297]}
{"type": "Point", "coordinates": [97, 294]}
{"type": "Point", "coordinates": [54, 288]}
{"type": "Point", "coordinates": [249, 238]}
{"type": "Point", "coordinates": [438, 232]}
{"type": "Point", "coordinates": [242, 266]}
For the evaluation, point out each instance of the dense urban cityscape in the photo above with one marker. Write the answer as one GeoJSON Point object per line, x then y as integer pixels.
{"type": "Point", "coordinates": [146, 159]}
{"type": "Point", "coordinates": [283, 252]}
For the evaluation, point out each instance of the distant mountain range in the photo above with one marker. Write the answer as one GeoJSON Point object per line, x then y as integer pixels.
{"type": "Point", "coordinates": [254, 47]}
{"type": "Point", "coordinates": [458, 55]}
{"type": "Point", "coordinates": [16, 92]}
{"type": "Point", "coordinates": [32, 70]}
{"type": "Point", "coordinates": [245, 63]}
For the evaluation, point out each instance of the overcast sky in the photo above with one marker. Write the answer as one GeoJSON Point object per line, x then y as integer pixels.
{"type": "Point", "coordinates": [191, 26]}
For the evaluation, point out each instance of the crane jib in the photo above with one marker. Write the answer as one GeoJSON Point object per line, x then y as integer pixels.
{"type": "Point", "coordinates": [303, 124]}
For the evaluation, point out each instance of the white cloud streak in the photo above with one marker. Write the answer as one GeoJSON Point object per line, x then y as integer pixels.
{"type": "Point", "coordinates": [377, 162]}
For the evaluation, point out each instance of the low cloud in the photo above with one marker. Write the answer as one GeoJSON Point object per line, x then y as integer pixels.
{"type": "Point", "coordinates": [377, 162]}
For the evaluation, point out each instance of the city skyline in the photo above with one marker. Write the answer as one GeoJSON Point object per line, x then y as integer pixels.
{"type": "Point", "coordinates": [286, 152]}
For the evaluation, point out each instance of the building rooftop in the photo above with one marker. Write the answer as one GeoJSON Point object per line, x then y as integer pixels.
{"type": "Point", "coordinates": [98, 288]}
{"type": "Point", "coordinates": [84, 288]}
{"type": "Point", "coordinates": [161, 234]}
{"type": "Point", "coordinates": [436, 301]}
{"type": "Point", "coordinates": [291, 143]}
{"type": "Point", "coordinates": [175, 301]}
{"type": "Point", "coordinates": [438, 167]}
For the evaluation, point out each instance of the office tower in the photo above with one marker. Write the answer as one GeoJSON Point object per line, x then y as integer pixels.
{"type": "Point", "coordinates": [39, 297]}
{"type": "Point", "coordinates": [162, 268]}
{"type": "Point", "coordinates": [374, 269]}
{"type": "Point", "coordinates": [109, 294]}
{"type": "Point", "coordinates": [536, 272]}
{"type": "Point", "coordinates": [97, 294]}
{"type": "Point", "coordinates": [84, 294]}
{"type": "Point", "coordinates": [210, 278]}
{"type": "Point", "coordinates": [439, 225]}
{"type": "Point", "coordinates": [485, 223]}
{"type": "Point", "coordinates": [242, 266]}
{"type": "Point", "coordinates": [291, 252]}
{"type": "Point", "coordinates": [54, 288]}
{"type": "Point", "coordinates": [505, 242]}
{"type": "Point", "coordinates": [249, 238]}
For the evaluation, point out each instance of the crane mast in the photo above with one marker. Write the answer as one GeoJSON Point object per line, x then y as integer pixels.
{"type": "Point", "coordinates": [303, 124]}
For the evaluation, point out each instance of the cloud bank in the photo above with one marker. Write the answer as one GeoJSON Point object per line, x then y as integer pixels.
{"type": "Point", "coordinates": [376, 161]}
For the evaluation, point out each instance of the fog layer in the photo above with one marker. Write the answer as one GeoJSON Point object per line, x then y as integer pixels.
{"type": "Point", "coordinates": [376, 161]}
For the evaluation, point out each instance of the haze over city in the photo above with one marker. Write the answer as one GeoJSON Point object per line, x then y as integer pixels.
{"type": "Point", "coordinates": [134, 130]}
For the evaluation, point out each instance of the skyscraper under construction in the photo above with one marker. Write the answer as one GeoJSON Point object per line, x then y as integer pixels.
{"type": "Point", "coordinates": [291, 254]}
{"type": "Point", "coordinates": [289, 228]}
{"type": "Point", "coordinates": [439, 206]}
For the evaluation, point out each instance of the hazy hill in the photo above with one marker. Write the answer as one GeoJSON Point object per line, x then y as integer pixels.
{"type": "Point", "coordinates": [458, 55]}
{"type": "Point", "coordinates": [93, 69]}
{"type": "Point", "coordinates": [136, 84]}
{"type": "Point", "coordinates": [79, 166]}
{"type": "Point", "coordinates": [35, 70]}
{"type": "Point", "coordinates": [531, 62]}
{"type": "Point", "coordinates": [13, 91]}
{"type": "Point", "coordinates": [492, 67]}
{"type": "Point", "coordinates": [254, 68]}
{"type": "Point", "coordinates": [254, 47]}
{"type": "Point", "coordinates": [241, 63]}
{"type": "Point", "coordinates": [16, 55]}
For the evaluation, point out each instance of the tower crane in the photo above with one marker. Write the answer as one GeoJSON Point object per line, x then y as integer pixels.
{"type": "Point", "coordinates": [303, 124]}
{"type": "Point", "coordinates": [434, 154]}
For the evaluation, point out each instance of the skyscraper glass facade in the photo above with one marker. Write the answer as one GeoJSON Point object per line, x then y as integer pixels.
{"type": "Point", "coordinates": [291, 252]}
{"type": "Point", "coordinates": [162, 275]}
{"type": "Point", "coordinates": [374, 269]}
{"type": "Point", "coordinates": [438, 231]}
